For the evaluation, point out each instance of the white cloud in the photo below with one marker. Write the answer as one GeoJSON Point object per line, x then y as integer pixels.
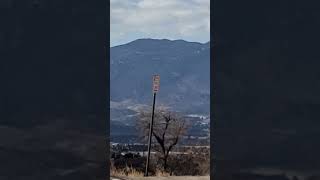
{"type": "Point", "coordinates": [171, 19]}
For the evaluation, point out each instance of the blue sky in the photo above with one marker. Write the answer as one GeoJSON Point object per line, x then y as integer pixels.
{"type": "Point", "coordinates": [159, 19]}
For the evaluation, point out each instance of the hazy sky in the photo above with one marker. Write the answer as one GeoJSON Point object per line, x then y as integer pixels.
{"type": "Point", "coordinates": [159, 19]}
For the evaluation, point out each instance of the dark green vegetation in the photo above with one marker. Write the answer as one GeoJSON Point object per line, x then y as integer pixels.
{"type": "Point", "coordinates": [195, 162]}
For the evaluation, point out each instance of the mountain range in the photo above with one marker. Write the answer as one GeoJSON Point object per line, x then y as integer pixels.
{"type": "Point", "coordinates": [184, 69]}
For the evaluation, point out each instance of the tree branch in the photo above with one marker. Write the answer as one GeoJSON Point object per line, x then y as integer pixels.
{"type": "Point", "coordinates": [160, 141]}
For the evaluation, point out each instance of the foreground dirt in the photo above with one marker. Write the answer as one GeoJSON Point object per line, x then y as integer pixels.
{"type": "Point", "coordinates": [162, 178]}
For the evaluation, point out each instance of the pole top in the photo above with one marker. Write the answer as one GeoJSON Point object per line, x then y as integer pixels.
{"type": "Point", "coordinates": [156, 83]}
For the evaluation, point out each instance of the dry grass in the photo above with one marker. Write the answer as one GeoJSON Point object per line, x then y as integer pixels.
{"type": "Point", "coordinates": [132, 172]}
{"type": "Point", "coordinates": [127, 171]}
{"type": "Point", "coordinates": [162, 173]}
{"type": "Point", "coordinates": [170, 178]}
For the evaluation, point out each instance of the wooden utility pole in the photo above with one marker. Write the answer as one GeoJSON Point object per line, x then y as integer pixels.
{"type": "Point", "coordinates": [156, 84]}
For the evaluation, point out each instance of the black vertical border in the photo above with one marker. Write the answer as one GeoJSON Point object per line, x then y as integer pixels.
{"type": "Point", "coordinates": [212, 93]}
{"type": "Point", "coordinates": [107, 46]}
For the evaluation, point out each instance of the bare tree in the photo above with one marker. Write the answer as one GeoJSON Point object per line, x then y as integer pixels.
{"type": "Point", "coordinates": [167, 130]}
